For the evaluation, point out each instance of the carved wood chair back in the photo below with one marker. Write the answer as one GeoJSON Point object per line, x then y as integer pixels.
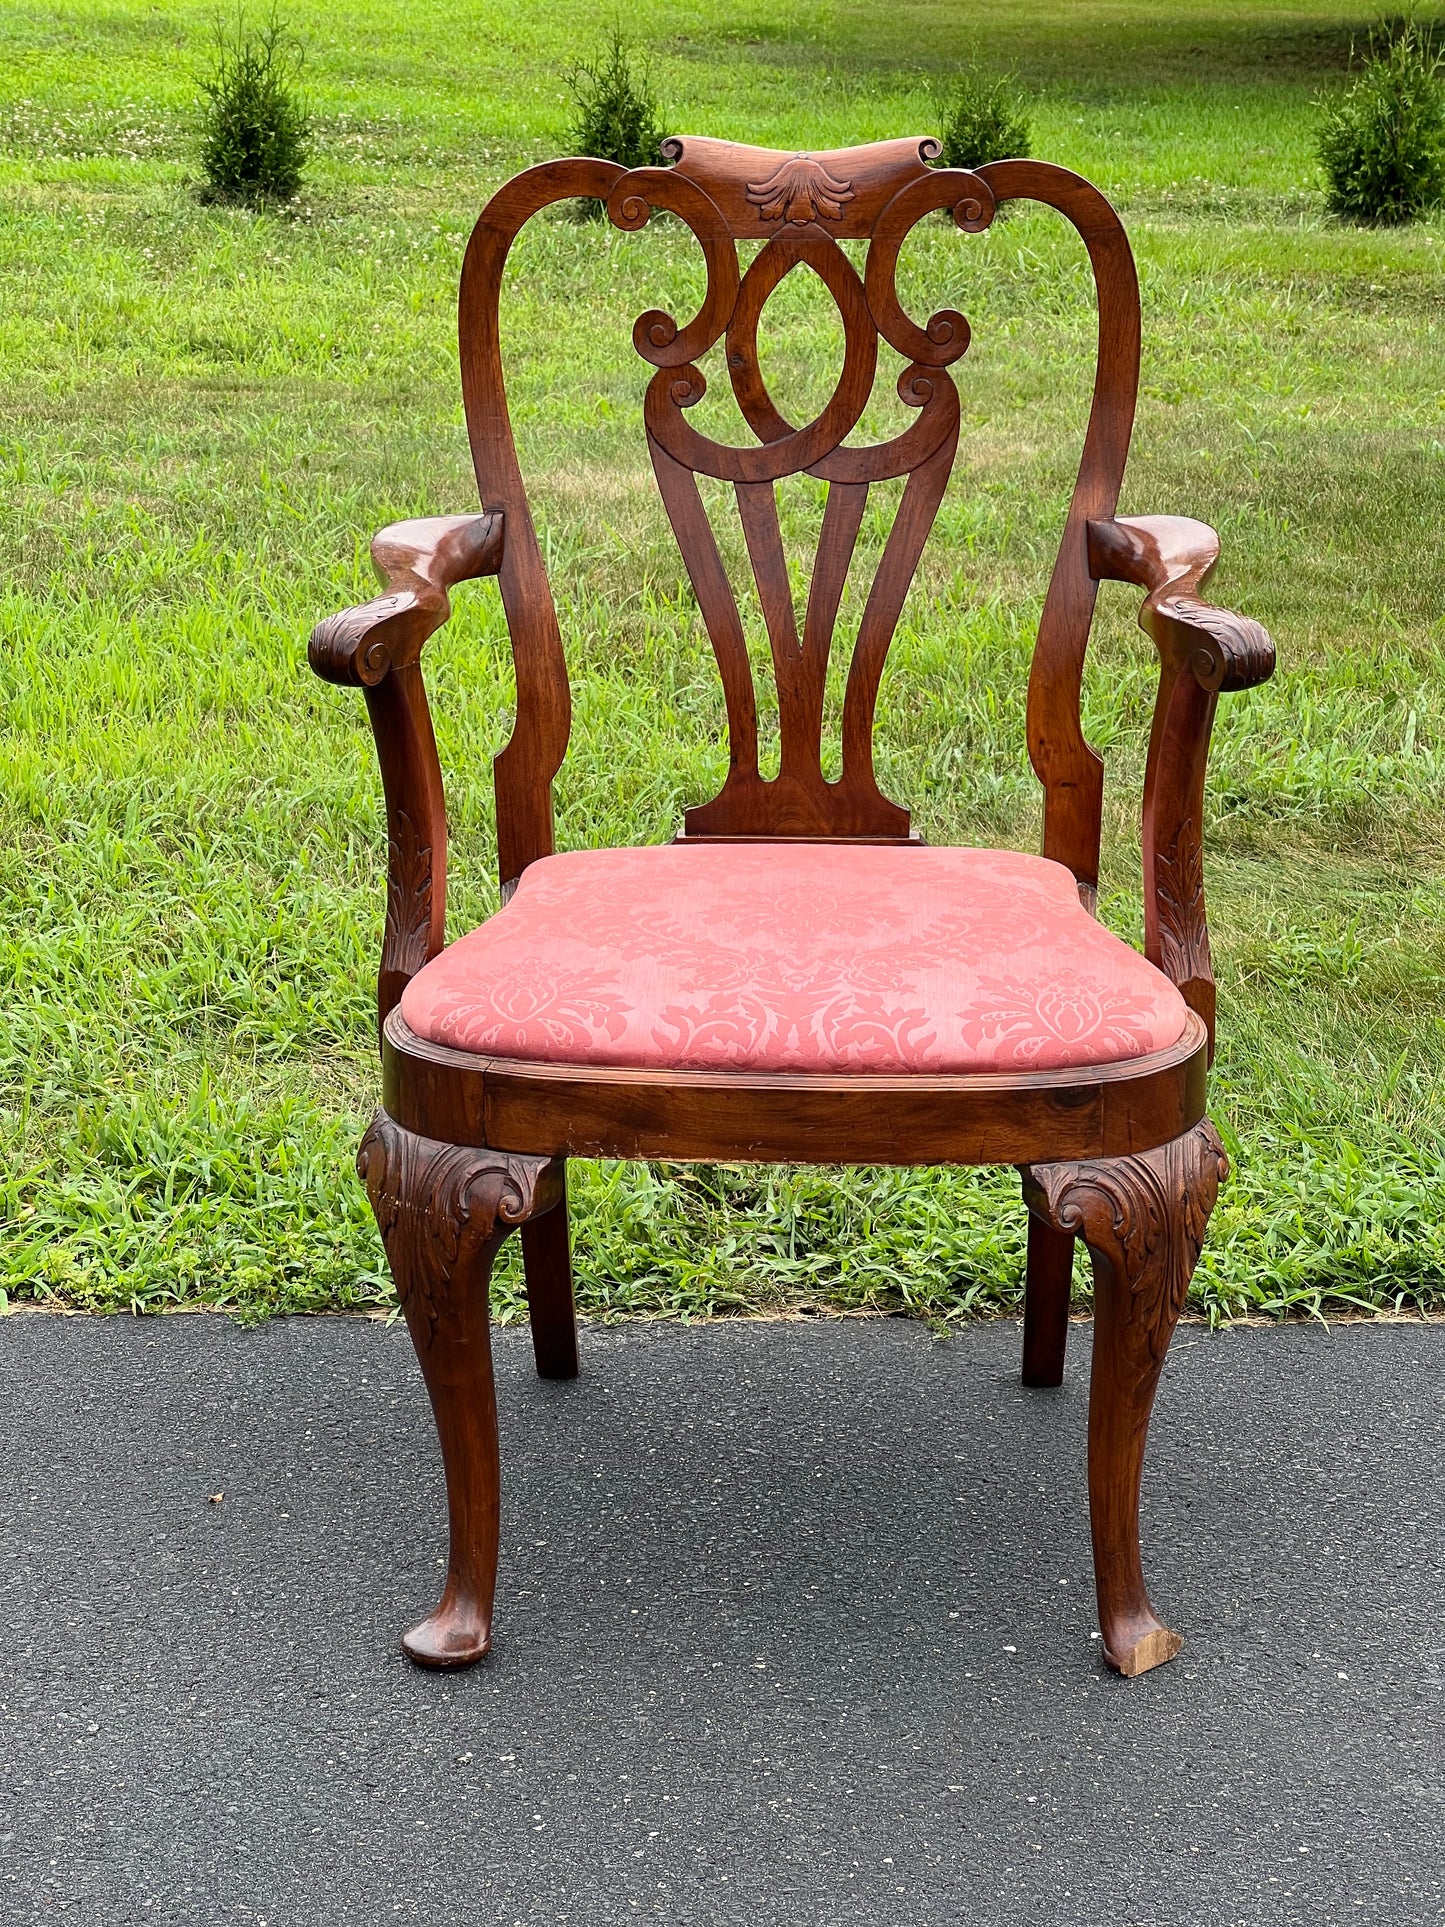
{"type": "Point", "coordinates": [800, 208]}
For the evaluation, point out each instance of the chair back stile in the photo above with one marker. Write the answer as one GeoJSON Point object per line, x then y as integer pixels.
{"type": "Point", "coordinates": [800, 206]}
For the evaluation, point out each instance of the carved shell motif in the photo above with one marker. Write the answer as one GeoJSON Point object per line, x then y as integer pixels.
{"type": "Point", "coordinates": [801, 189]}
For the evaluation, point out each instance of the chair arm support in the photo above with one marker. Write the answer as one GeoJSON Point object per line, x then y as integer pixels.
{"type": "Point", "coordinates": [1202, 651]}
{"type": "Point", "coordinates": [378, 646]}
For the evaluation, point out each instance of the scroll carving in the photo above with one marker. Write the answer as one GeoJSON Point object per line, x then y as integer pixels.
{"type": "Point", "coordinates": [1173, 557]}
{"type": "Point", "coordinates": [351, 647]}
{"type": "Point", "coordinates": [1230, 651]}
{"type": "Point", "coordinates": [796, 195]}
{"type": "Point", "coordinates": [1143, 1219]}
{"type": "Point", "coordinates": [655, 334]}
{"type": "Point", "coordinates": [1202, 650]}
{"type": "Point", "coordinates": [418, 561]}
{"type": "Point", "coordinates": [970, 200]}
{"type": "Point", "coordinates": [379, 646]}
{"type": "Point", "coordinates": [439, 1205]}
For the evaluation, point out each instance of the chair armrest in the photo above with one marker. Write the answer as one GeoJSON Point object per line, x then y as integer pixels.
{"type": "Point", "coordinates": [418, 562]}
{"type": "Point", "coordinates": [1202, 651]}
{"type": "Point", "coordinates": [378, 647]}
{"type": "Point", "coordinates": [1172, 558]}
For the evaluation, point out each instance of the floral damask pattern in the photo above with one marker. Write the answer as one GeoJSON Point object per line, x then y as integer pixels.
{"type": "Point", "coordinates": [533, 1004]}
{"type": "Point", "coordinates": [804, 957]}
{"type": "Point", "coordinates": [1079, 1022]}
{"type": "Point", "coordinates": [801, 1017]}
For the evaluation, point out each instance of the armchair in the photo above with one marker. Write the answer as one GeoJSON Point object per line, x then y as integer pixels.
{"type": "Point", "coordinates": [797, 976]}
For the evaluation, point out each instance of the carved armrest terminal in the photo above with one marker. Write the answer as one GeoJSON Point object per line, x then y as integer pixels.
{"type": "Point", "coordinates": [1202, 651]}
{"type": "Point", "coordinates": [378, 647]}
{"type": "Point", "coordinates": [419, 562]}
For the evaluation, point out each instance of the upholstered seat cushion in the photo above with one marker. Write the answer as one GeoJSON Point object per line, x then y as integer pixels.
{"type": "Point", "coordinates": [796, 957]}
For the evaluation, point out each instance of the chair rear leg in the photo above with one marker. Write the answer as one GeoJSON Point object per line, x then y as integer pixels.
{"type": "Point", "coordinates": [1143, 1219]}
{"type": "Point", "coordinates": [443, 1211]}
{"type": "Point", "coordinates": [1048, 1282]}
{"type": "Point", "coordinates": [551, 1306]}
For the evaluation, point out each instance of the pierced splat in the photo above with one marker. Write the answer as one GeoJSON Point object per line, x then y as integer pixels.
{"type": "Point", "coordinates": [800, 206]}
{"type": "Point", "coordinates": [804, 198]}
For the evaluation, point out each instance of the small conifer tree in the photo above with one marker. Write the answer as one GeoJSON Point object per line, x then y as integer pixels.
{"type": "Point", "coordinates": [1382, 142]}
{"type": "Point", "coordinates": [986, 121]}
{"type": "Point", "coordinates": [255, 133]}
{"type": "Point", "coordinates": [616, 112]}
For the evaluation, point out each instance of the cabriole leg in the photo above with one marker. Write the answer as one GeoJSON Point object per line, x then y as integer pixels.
{"type": "Point", "coordinates": [547, 1264]}
{"type": "Point", "coordinates": [1143, 1219]}
{"type": "Point", "coordinates": [443, 1211]}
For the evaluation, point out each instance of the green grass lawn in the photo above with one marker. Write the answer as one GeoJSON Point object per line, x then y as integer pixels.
{"type": "Point", "coordinates": [204, 415]}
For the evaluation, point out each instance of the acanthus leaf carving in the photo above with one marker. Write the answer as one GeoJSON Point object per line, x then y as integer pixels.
{"type": "Point", "coordinates": [1143, 1218]}
{"type": "Point", "coordinates": [801, 189]}
{"type": "Point", "coordinates": [438, 1206]}
{"type": "Point", "coordinates": [1179, 900]}
{"type": "Point", "coordinates": [353, 646]}
{"type": "Point", "coordinates": [406, 944]}
{"type": "Point", "coordinates": [1228, 651]}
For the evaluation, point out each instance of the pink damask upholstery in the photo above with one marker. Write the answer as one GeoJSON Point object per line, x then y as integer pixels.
{"type": "Point", "coordinates": [797, 957]}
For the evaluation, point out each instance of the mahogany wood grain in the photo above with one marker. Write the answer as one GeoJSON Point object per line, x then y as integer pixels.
{"type": "Point", "coordinates": [468, 1146]}
{"type": "Point", "coordinates": [1072, 772]}
{"type": "Point", "coordinates": [1143, 1219]}
{"type": "Point", "coordinates": [379, 646]}
{"type": "Point", "coordinates": [758, 189]}
{"type": "Point", "coordinates": [533, 754]}
{"type": "Point", "coordinates": [1202, 650]}
{"type": "Point", "coordinates": [569, 1110]}
{"type": "Point", "coordinates": [1050, 1276]}
{"type": "Point", "coordinates": [443, 1211]}
{"type": "Point", "coordinates": [551, 1303]}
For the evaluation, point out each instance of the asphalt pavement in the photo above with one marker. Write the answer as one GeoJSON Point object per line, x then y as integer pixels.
{"type": "Point", "coordinates": [795, 1626]}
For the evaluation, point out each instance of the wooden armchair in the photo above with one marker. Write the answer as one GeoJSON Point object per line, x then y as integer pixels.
{"type": "Point", "coordinates": [796, 977]}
